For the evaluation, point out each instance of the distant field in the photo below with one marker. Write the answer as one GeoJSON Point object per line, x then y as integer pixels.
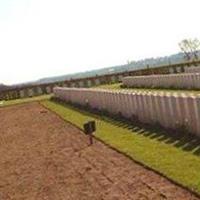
{"type": "Point", "coordinates": [117, 86]}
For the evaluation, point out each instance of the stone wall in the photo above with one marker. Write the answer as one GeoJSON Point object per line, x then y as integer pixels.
{"type": "Point", "coordinates": [170, 111]}
{"type": "Point", "coordinates": [179, 81]}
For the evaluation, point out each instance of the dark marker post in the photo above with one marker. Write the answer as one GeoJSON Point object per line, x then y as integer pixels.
{"type": "Point", "coordinates": [89, 129]}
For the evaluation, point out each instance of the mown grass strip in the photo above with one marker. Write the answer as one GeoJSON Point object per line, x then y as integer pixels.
{"type": "Point", "coordinates": [177, 159]}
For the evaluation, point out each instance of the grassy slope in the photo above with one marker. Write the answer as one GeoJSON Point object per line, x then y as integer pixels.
{"type": "Point", "coordinates": [116, 86]}
{"type": "Point", "coordinates": [173, 158]}
{"type": "Point", "coordinates": [24, 100]}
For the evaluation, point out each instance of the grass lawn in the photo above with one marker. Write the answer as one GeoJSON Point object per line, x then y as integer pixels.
{"type": "Point", "coordinates": [177, 158]}
{"type": "Point", "coordinates": [116, 86]}
{"type": "Point", "coordinates": [24, 100]}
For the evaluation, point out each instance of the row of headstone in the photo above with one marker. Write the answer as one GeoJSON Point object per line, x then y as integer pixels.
{"type": "Point", "coordinates": [193, 69]}
{"type": "Point", "coordinates": [170, 111]}
{"type": "Point", "coordinates": [182, 81]}
{"type": "Point", "coordinates": [39, 90]}
{"type": "Point", "coordinates": [30, 92]}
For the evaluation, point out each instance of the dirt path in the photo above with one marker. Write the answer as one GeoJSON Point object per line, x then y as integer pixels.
{"type": "Point", "coordinates": [42, 157]}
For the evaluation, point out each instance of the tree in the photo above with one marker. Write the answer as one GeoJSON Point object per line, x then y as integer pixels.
{"type": "Point", "coordinates": [190, 48]}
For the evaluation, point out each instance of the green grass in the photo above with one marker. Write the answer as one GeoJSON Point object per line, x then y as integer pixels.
{"type": "Point", "coordinates": [24, 100]}
{"type": "Point", "coordinates": [177, 158]}
{"type": "Point", "coordinates": [117, 86]}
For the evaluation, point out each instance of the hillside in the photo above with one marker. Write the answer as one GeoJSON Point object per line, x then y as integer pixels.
{"type": "Point", "coordinates": [3, 87]}
{"type": "Point", "coordinates": [134, 65]}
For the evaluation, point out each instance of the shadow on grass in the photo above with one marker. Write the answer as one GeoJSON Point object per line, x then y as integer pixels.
{"type": "Point", "coordinates": [183, 140]}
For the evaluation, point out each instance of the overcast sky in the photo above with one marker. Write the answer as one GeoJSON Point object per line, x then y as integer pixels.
{"type": "Point", "coordinates": [41, 38]}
